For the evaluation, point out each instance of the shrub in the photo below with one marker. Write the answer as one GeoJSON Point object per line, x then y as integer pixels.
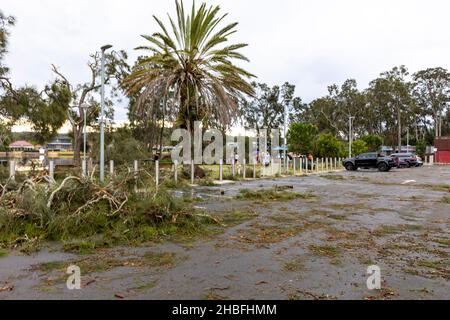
{"type": "Point", "coordinates": [359, 147]}
{"type": "Point", "coordinates": [328, 146]}
{"type": "Point", "coordinates": [373, 142]}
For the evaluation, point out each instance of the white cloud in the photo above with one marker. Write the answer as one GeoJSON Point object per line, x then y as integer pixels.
{"type": "Point", "coordinates": [310, 43]}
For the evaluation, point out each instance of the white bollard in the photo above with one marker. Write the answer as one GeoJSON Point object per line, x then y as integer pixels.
{"type": "Point", "coordinates": [431, 160]}
{"type": "Point", "coordinates": [323, 168]}
{"type": "Point", "coordinates": [244, 174]}
{"type": "Point", "coordinates": [221, 170]}
{"type": "Point", "coordinates": [136, 168]}
{"type": "Point", "coordinates": [175, 173]}
{"type": "Point", "coordinates": [12, 170]}
{"type": "Point", "coordinates": [192, 172]}
{"type": "Point", "coordinates": [306, 167]}
{"type": "Point", "coordinates": [84, 168]}
{"type": "Point", "coordinates": [301, 166]}
{"type": "Point", "coordinates": [317, 165]}
{"type": "Point", "coordinates": [233, 168]}
{"type": "Point", "coordinates": [51, 171]}
{"type": "Point", "coordinates": [327, 165]}
{"type": "Point", "coordinates": [111, 169]}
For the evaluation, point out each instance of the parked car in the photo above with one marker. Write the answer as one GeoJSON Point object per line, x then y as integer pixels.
{"type": "Point", "coordinates": [419, 161]}
{"type": "Point", "coordinates": [370, 160]}
{"type": "Point", "coordinates": [400, 163]}
{"type": "Point", "coordinates": [406, 159]}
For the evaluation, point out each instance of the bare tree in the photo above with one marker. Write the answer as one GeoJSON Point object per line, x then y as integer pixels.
{"type": "Point", "coordinates": [86, 93]}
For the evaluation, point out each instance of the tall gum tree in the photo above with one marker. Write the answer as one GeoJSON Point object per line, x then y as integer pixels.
{"type": "Point", "coordinates": [432, 92]}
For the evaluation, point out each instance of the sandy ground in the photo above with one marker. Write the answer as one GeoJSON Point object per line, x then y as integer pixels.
{"type": "Point", "coordinates": [313, 248]}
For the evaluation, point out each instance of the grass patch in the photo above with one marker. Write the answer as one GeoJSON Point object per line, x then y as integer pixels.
{"type": "Point", "coordinates": [146, 286]}
{"type": "Point", "coordinates": [98, 264]}
{"type": "Point", "coordinates": [166, 259]}
{"type": "Point", "coordinates": [446, 200]}
{"type": "Point", "coordinates": [333, 177]}
{"type": "Point", "coordinates": [443, 242]}
{"type": "Point", "coordinates": [325, 251]}
{"type": "Point", "coordinates": [389, 230]}
{"type": "Point", "coordinates": [48, 267]}
{"type": "Point", "coordinates": [295, 265]}
{"type": "Point", "coordinates": [3, 253]}
{"type": "Point", "coordinates": [337, 217]}
{"type": "Point", "coordinates": [237, 217]}
{"type": "Point", "coordinates": [271, 195]}
{"type": "Point", "coordinates": [263, 234]}
{"type": "Point", "coordinates": [436, 187]}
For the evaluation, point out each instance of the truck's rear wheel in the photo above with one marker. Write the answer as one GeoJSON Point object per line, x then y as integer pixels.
{"type": "Point", "coordinates": [350, 167]}
{"type": "Point", "coordinates": [383, 167]}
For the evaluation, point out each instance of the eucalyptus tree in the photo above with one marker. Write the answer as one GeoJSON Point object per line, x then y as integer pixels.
{"type": "Point", "coordinates": [195, 63]}
{"type": "Point", "coordinates": [6, 22]}
{"type": "Point", "coordinates": [86, 94]}
{"type": "Point", "coordinates": [432, 92]}
{"type": "Point", "coordinates": [391, 93]}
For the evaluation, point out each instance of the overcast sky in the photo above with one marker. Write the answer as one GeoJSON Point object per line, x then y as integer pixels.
{"type": "Point", "coordinates": [312, 44]}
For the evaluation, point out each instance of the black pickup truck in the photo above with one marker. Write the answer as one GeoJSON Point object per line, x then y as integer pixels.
{"type": "Point", "coordinates": [369, 160]}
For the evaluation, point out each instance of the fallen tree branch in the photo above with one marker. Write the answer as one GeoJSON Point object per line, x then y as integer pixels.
{"type": "Point", "coordinates": [61, 186]}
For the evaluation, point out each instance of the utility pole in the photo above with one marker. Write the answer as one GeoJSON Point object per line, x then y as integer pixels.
{"type": "Point", "coordinates": [407, 140]}
{"type": "Point", "coordinates": [286, 119]}
{"type": "Point", "coordinates": [350, 136]}
{"type": "Point", "coordinates": [85, 107]}
{"type": "Point", "coordinates": [102, 117]}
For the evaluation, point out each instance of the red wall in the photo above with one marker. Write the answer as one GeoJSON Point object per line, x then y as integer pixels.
{"type": "Point", "coordinates": [443, 156]}
{"type": "Point", "coordinates": [442, 144]}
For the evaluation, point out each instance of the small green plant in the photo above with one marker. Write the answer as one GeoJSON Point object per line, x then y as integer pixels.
{"type": "Point", "coordinates": [271, 195]}
{"type": "Point", "coordinates": [3, 253]}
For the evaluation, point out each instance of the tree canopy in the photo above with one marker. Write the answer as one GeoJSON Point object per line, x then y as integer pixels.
{"type": "Point", "coordinates": [193, 60]}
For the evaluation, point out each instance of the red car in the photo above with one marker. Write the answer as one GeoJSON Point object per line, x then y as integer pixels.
{"type": "Point", "coordinates": [406, 160]}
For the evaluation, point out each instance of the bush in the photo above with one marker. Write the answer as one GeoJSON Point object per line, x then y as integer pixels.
{"type": "Point", "coordinates": [301, 137]}
{"type": "Point", "coordinates": [359, 147]}
{"type": "Point", "coordinates": [373, 143]}
{"type": "Point", "coordinates": [328, 146]}
{"type": "Point", "coordinates": [421, 148]}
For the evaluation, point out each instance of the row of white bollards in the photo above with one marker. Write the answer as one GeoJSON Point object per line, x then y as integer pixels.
{"type": "Point", "coordinates": [296, 166]}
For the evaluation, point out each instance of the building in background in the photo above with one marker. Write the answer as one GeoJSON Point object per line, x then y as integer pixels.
{"type": "Point", "coordinates": [61, 143]}
{"type": "Point", "coordinates": [21, 145]}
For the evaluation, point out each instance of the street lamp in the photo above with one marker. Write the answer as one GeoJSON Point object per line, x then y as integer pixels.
{"type": "Point", "coordinates": [102, 117]}
{"type": "Point", "coordinates": [350, 136]}
{"type": "Point", "coordinates": [84, 107]}
{"type": "Point", "coordinates": [286, 119]}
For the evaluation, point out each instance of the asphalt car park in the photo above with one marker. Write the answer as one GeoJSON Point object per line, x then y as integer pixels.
{"type": "Point", "coordinates": [316, 246]}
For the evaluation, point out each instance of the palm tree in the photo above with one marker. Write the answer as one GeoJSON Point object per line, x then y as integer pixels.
{"type": "Point", "coordinates": [191, 65]}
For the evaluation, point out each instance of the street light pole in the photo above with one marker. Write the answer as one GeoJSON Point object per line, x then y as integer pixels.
{"type": "Point", "coordinates": [286, 119]}
{"type": "Point", "coordinates": [102, 117]}
{"type": "Point", "coordinates": [350, 136]}
{"type": "Point", "coordinates": [407, 140]}
{"type": "Point", "coordinates": [85, 107]}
